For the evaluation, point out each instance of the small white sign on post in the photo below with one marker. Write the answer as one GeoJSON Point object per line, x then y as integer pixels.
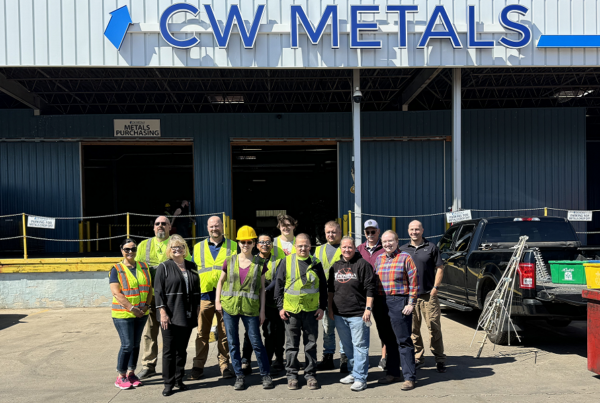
{"type": "Point", "coordinates": [137, 128]}
{"type": "Point", "coordinates": [579, 215]}
{"type": "Point", "coordinates": [41, 222]}
{"type": "Point", "coordinates": [458, 216]}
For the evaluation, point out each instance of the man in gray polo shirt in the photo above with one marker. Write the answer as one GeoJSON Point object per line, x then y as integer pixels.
{"type": "Point", "coordinates": [430, 267]}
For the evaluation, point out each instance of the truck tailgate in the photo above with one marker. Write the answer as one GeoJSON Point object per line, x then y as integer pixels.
{"type": "Point", "coordinates": [565, 293]}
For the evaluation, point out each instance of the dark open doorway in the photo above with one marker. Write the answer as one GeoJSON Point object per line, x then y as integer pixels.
{"type": "Point", "coordinates": [300, 180]}
{"type": "Point", "coordinates": [121, 178]}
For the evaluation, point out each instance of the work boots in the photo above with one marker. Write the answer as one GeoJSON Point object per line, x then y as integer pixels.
{"type": "Point", "coordinates": [327, 363]}
{"type": "Point", "coordinates": [343, 364]}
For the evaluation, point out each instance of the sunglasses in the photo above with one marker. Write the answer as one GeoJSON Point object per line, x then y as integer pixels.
{"type": "Point", "coordinates": [370, 232]}
{"type": "Point", "coordinates": [266, 243]}
{"type": "Point", "coordinates": [129, 250]}
{"type": "Point", "coordinates": [161, 224]}
{"type": "Point", "coordinates": [246, 242]}
{"type": "Point", "coordinates": [177, 247]}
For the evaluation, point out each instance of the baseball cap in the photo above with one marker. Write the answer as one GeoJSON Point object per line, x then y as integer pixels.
{"type": "Point", "coordinates": [371, 223]}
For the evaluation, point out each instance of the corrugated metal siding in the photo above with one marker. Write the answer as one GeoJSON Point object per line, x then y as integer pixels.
{"type": "Point", "coordinates": [42, 179]}
{"type": "Point", "coordinates": [593, 186]}
{"type": "Point", "coordinates": [71, 33]}
{"type": "Point", "coordinates": [520, 158]}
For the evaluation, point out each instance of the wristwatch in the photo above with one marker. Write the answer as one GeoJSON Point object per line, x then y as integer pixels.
{"type": "Point", "coordinates": [436, 287]}
{"type": "Point", "coordinates": [369, 308]}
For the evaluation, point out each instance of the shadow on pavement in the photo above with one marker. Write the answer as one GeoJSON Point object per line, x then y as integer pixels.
{"type": "Point", "coordinates": [9, 320]}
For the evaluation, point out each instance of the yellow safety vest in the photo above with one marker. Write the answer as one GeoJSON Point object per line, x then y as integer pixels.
{"type": "Point", "coordinates": [135, 289]}
{"type": "Point", "coordinates": [209, 269]}
{"type": "Point", "coordinates": [321, 253]}
{"type": "Point", "coordinates": [278, 249]}
{"type": "Point", "coordinates": [271, 268]}
{"type": "Point", "coordinates": [238, 298]}
{"type": "Point", "coordinates": [300, 296]}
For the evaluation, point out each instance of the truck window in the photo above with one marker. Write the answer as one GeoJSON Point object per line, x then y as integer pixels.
{"type": "Point", "coordinates": [466, 233]}
{"type": "Point", "coordinates": [537, 231]}
{"type": "Point", "coordinates": [445, 244]}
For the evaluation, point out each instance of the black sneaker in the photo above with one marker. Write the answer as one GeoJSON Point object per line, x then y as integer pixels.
{"type": "Point", "coordinates": [146, 373]}
{"type": "Point", "coordinates": [327, 363]}
{"type": "Point", "coordinates": [344, 364]}
{"type": "Point", "coordinates": [239, 383]}
{"type": "Point", "coordinates": [441, 367]}
{"type": "Point", "coordinates": [267, 382]}
{"type": "Point", "coordinates": [419, 364]}
{"type": "Point", "coordinates": [383, 364]}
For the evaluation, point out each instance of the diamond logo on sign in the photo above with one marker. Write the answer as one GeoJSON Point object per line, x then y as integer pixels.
{"type": "Point", "coordinates": [458, 216]}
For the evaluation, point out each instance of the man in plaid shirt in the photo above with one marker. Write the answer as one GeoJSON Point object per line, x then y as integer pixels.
{"type": "Point", "coordinates": [396, 276]}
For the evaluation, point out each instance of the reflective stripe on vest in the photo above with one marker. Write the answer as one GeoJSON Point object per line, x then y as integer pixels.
{"type": "Point", "coordinates": [313, 288]}
{"type": "Point", "coordinates": [272, 266]}
{"type": "Point", "coordinates": [135, 295]}
{"type": "Point", "coordinates": [148, 246]}
{"type": "Point", "coordinates": [203, 246]}
{"type": "Point", "coordinates": [233, 274]}
{"type": "Point", "coordinates": [322, 252]}
{"type": "Point", "coordinates": [239, 298]}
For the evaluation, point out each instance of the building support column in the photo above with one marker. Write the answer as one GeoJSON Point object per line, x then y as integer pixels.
{"type": "Point", "coordinates": [357, 158]}
{"type": "Point", "coordinates": [456, 140]}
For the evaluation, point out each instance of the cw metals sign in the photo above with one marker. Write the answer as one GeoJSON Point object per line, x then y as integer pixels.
{"type": "Point", "coordinates": [439, 26]}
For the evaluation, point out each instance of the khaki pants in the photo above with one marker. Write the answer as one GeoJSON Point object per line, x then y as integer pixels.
{"type": "Point", "coordinates": [149, 350]}
{"type": "Point", "coordinates": [205, 319]}
{"type": "Point", "coordinates": [428, 310]}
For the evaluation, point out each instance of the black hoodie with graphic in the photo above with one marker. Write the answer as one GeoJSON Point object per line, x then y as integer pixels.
{"type": "Point", "coordinates": [351, 283]}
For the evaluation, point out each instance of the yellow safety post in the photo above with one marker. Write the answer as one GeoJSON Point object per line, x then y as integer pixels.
{"type": "Point", "coordinates": [345, 225]}
{"type": "Point", "coordinates": [127, 225]}
{"type": "Point", "coordinates": [225, 227]}
{"type": "Point", "coordinates": [228, 227]}
{"type": "Point", "coordinates": [350, 222]}
{"type": "Point", "coordinates": [80, 236]}
{"type": "Point", "coordinates": [193, 234]}
{"type": "Point", "coordinates": [97, 237]}
{"type": "Point", "coordinates": [24, 238]}
{"type": "Point", "coordinates": [339, 221]}
{"type": "Point", "coordinates": [545, 211]}
{"type": "Point", "coordinates": [109, 237]}
{"type": "Point", "coordinates": [394, 224]}
{"type": "Point", "coordinates": [233, 229]}
{"type": "Point", "coordinates": [89, 244]}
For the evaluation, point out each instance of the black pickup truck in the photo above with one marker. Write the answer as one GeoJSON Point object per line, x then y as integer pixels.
{"type": "Point", "coordinates": [476, 253]}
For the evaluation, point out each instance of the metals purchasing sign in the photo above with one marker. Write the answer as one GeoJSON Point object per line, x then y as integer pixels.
{"type": "Point", "coordinates": [41, 222]}
{"type": "Point", "coordinates": [302, 33]}
{"type": "Point", "coordinates": [137, 128]}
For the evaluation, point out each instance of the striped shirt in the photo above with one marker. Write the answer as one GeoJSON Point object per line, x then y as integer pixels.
{"type": "Point", "coordinates": [397, 275]}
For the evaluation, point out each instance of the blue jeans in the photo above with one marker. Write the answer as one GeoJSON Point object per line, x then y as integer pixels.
{"type": "Point", "coordinates": [130, 332]}
{"type": "Point", "coordinates": [355, 337]}
{"type": "Point", "coordinates": [402, 327]}
{"type": "Point", "coordinates": [252, 324]}
{"type": "Point", "coordinates": [329, 336]}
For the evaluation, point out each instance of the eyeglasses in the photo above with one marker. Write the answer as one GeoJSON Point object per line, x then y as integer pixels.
{"type": "Point", "coordinates": [129, 250]}
{"type": "Point", "coordinates": [370, 232]}
{"type": "Point", "coordinates": [160, 223]}
{"type": "Point", "coordinates": [246, 242]}
{"type": "Point", "coordinates": [265, 243]}
{"type": "Point", "coordinates": [177, 247]}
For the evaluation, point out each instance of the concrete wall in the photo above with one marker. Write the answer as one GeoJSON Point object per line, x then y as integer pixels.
{"type": "Point", "coordinates": [54, 290]}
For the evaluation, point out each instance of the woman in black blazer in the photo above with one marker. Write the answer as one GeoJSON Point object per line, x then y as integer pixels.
{"type": "Point", "coordinates": [177, 295]}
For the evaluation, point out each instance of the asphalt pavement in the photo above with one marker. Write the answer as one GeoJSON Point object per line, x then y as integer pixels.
{"type": "Point", "coordinates": [69, 355]}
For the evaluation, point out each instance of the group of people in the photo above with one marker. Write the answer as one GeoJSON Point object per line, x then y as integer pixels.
{"type": "Point", "coordinates": [287, 290]}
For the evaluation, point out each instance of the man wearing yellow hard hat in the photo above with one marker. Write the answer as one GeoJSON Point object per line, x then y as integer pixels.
{"type": "Point", "coordinates": [241, 295]}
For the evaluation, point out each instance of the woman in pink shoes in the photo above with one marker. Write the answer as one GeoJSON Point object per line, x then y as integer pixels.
{"type": "Point", "coordinates": [130, 287]}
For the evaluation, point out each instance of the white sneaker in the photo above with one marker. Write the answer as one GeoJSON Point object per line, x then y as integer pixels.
{"type": "Point", "coordinates": [347, 380]}
{"type": "Point", "coordinates": [358, 386]}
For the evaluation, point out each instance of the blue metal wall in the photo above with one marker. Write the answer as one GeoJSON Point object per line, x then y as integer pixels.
{"type": "Point", "coordinates": [512, 158]}
{"type": "Point", "coordinates": [42, 179]}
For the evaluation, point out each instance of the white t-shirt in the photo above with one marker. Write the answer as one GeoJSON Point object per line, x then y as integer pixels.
{"type": "Point", "coordinates": [286, 246]}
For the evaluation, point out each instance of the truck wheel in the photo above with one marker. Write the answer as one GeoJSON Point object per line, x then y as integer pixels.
{"type": "Point", "coordinates": [555, 322]}
{"type": "Point", "coordinates": [499, 334]}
